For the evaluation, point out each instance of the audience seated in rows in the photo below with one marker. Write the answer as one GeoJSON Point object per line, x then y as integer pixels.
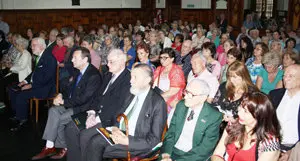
{"type": "Point", "coordinates": [206, 57]}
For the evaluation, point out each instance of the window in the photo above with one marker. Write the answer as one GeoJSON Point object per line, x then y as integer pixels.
{"type": "Point", "coordinates": [264, 6]}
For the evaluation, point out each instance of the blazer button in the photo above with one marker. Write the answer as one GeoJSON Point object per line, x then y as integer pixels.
{"type": "Point", "coordinates": [100, 111]}
{"type": "Point", "coordinates": [101, 106]}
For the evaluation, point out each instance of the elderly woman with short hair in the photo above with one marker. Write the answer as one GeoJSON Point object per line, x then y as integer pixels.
{"type": "Point", "coordinates": [19, 70]}
{"type": "Point", "coordinates": [199, 38]}
{"type": "Point", "coordinates": [107, 47]}
{"type": "Point", "coordinates": [271, 76]}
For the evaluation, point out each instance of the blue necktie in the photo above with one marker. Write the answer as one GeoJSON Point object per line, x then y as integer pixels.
{"type": "Point", "coordinates": [75, 85]}
{"type": "Point", "coordinates": [78, 78]}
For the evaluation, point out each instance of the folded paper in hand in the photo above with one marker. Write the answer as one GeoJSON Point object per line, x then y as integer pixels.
{"type": "Point", "coordinates": [106, 135]}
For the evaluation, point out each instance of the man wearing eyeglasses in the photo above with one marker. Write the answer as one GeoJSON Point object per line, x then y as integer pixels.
{"type": "Point", "coordinates": [105, 106]}
{"type": "Point", "coordinates": [194, 129]}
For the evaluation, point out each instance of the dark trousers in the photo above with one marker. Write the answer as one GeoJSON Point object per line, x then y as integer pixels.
{"type": "Point", "coordinates": [77, 141]}
{"type": "Point", "coordinates": [99, 148]}
{"type": "Point", "coordinates": [19, 102]}
{"type": "Point", "coordinates": [88, 145]}
{"type": "Point", "coordinates": [5, 82]}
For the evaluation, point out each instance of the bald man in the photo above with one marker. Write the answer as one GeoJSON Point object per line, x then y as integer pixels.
{"type": "Point", "coordinates": [184, 57]}
{"type": "Point", "coordinates": [287, 103]}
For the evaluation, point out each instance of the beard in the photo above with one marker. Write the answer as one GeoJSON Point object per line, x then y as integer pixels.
{"type": "Point", "coordinates": [134, 90]}
{"type": "Point", "coordinates": [137, 90]}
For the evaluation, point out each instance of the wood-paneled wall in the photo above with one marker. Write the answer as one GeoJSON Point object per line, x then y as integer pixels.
{"type": "Point", "coordinates": [47, 19]}
{"type": "Point", "coordinates": [19, 20]}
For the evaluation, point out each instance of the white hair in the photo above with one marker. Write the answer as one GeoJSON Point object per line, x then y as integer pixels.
{"type": "Point", "coordinates": [204, 87]}
{"type": "Point", "coordinates": [119, 54]}
{"type": "Point", "coordinates": [23, 42]}
{"type": "Point", "coordinates": [40, 41]}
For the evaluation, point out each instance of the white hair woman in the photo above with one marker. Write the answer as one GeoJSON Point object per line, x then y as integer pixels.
{"type": "Point", "coordinates": [19, 70]}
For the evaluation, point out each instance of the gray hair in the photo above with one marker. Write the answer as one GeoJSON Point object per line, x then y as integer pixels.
{"type": "Point", "coordinates": [204, 90]}
{"type": "Point", "coordinates": [64, 30]}
{"type": "Point", "coordinates": [272, 58]}
{"type": "Point", "coordinates": [109, 36]}
{"type": "Point", "coordinates": [40, 41]}
{"type": "Point", "coordinates": [23, 42]}
{"type": "Point", "coordinates": [147, 70]}
{"type": "Point", "coordinates": [119, 54]}
{"type": "Point", "coordinates": [70, 39]}
{"type": "Point", "coordinates": [200, 56]}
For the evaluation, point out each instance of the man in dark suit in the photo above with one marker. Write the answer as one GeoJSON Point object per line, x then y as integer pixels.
{"type": "Point", "coordinates": [287, 104]}
{"type": "Point", "coordinates": [146, 113]}
{"type": "Point", "coordinates": [40, 83]}
{"type": "Point", "coordinates": [194, 129]}
{"type": "Point", "coordinates": [107, 103]}
{"type": "Point", "coordinates": [76, 97]}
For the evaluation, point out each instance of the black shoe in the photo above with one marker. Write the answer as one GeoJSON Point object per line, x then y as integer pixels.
{"type": "Point", "coordinates": [18, 125]}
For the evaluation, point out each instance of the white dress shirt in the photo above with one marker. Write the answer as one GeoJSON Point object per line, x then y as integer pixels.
{"type": "Point", "coordinates": [135, 115]}
{"type": "Point", "coordinates": [185, 141]}
{"type": "Point", "coordinates": [287, 113]}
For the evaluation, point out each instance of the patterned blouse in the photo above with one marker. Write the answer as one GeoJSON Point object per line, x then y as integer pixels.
{"type": "Point", "coordinates": [226, 106]}
{"type": "Point", "coordinates": [12, 55]}
{"type": "Point", "coordinates": [254, 70]}
{"type": "Point", "coordinates": [154, 51]}
{"type": "Point", "coordinates": [104, 53]}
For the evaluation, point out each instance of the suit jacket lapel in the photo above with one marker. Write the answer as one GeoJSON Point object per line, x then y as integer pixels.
{"type": "Point", "coordinates": [201, 123]}
{"type": "Point", "coordinates": [84, 75]}
{"type": "Point", "coordinates": [143, 113]}
{"type": "Point", "coordinates": [117, 81]}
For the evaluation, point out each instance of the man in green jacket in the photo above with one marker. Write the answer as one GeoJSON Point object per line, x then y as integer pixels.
{"type": "Point", "coordinates": [194, 128]}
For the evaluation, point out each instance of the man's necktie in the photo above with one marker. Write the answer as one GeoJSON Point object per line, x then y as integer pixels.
{"type": "Point", "coordinates": [191, 116]}
{"type": "Point", "coordinates": [37, 60]}
{"type": "Point", "coordinates": [109, 84]}
{"type": "Point", "coordinates": [75, 85]}
{"type": "Point", "coordinates": [129, 115]}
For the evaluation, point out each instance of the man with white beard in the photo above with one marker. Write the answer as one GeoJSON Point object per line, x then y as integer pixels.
{"type": "Point", "coordinates": [146, 112]}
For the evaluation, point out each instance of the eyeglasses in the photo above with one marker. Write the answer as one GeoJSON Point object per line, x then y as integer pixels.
{"type": "Point", "coordinates": [188, 93]}
{"type": "Point", "coordinates": [112, 61]}
{"type": "Point", "coordinates": [163, 58]}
